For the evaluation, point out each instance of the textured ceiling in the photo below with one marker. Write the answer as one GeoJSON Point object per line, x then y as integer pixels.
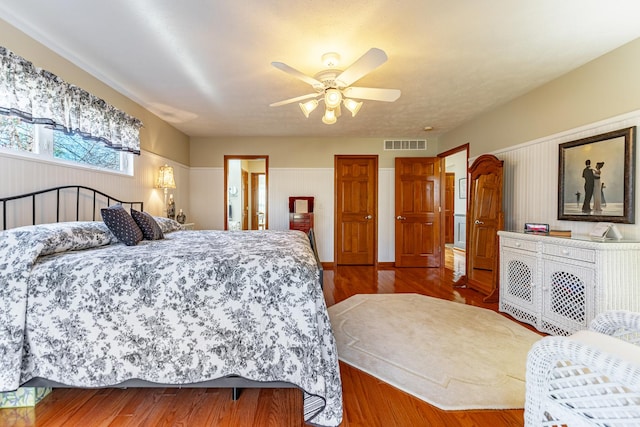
{"type": "Point", "coordinates": [205, 66]}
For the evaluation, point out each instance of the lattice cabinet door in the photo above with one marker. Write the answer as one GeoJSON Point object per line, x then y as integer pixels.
{"type": "Point", "coordinates": [519, 295]}
{"type": "Point", "coordinates": [567, 296]}
{"type": "Point", "coordinates": [559, 285]}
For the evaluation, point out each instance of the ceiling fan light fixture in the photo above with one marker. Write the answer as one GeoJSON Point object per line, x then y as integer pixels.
{"type": "Point", "coordinates": [308, 107]}
{"type": "Point", "coordinates": [332, 98]}
{"type": "Point", "coordinates": [330, 59]}
{"type": "Point", "coordinates": [329, 117]}
{"type": "Point", "coordinates": [352, 105]}
{"type": "Point", "coordinates": [334, 86]}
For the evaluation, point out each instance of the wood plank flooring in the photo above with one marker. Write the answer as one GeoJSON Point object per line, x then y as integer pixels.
{"type": "Point", "coordinates": [367, 400]}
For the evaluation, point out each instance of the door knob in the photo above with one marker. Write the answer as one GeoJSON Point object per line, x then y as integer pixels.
{"type": "Point", "coordinates": [400, 217]}
{"type": "Point", "coordinates": [368, 217]}
{"type": "Point", "coordinates": [477, 222]}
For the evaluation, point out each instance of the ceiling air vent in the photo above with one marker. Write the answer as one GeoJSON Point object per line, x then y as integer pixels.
{"type": "Point", "coordinates": [405, 144]}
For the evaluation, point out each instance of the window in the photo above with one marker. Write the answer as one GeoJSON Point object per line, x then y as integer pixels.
{"type": "Point", "coordinates": [16, 134]}
{"type": "Point", "coordinates": [20, 136]}
{"type": "Point", "coordinates": [76, 149]}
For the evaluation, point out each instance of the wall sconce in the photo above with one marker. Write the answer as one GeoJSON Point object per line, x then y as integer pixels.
{"type": "Point", "coordinates": [165, 181]}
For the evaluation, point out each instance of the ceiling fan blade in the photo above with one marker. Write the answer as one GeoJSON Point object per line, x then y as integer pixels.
{"type": "Point", "coordinates": [299, 75]}
{"type": "Point", "coordinates": [372, 93]}
{"type": "Point", "coordinates": [365, 64]}
{"type": "Point", "coordinates": [292, 100]}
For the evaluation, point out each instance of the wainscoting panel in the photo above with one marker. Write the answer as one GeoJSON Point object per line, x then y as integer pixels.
{"type": "Point", "coordinates": [460, 231]}
{"type": "Point", "coordinates": [207, 203]}
{"type": "Point", "coordinates": [531, 179]}
{"type": "Point", "coordinates": [386, 215]}
{"type": "Point", "coordinates": [207, 198]}
{"type": "Point", "coordinates": [21, 174]}
{"type": "Point", "coordinates": [318, 183]}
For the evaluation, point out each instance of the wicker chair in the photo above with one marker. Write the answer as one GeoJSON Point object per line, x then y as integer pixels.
{"type": "Point", "coordinates": [591, 378]}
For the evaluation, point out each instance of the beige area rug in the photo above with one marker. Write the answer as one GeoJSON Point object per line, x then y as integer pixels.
{"type": "Point", "coordinates": [451, 355]}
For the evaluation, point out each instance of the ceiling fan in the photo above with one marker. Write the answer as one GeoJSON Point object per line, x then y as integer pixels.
{"type": "Point", "coordinates": [333, 86]}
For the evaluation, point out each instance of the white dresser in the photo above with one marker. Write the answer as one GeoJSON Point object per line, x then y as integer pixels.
{"type": "Point", "coordinates": [559, 284]}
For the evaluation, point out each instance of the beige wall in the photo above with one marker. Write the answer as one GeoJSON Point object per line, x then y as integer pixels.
{"type": "Point", "coordinates": [156, 136]}
{"type": "Point", "coordinates": [605, 87]}
{"type": "Point", "coordinates": [296, 152]}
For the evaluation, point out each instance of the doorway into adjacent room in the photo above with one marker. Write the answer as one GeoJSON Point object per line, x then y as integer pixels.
{"type": "Point", "coordinates": [246, 197]}
{"type": "Point", "coordinates": [454, 196]}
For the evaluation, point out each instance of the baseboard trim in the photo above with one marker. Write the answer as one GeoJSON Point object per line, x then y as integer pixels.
{"type": "Point", "coordinates": [386, 265]}
{"type": "Point", "coordinates": [380, 265]}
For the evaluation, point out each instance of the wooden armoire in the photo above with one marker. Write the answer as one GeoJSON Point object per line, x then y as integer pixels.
{"type": "Point", "coordinates": [484, 219]}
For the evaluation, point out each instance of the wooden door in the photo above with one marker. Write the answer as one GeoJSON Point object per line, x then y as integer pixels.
{"type": "Point", "coordinates": [449, 206]}
{"type": "Point", "coordinates": [255, 218]}
{"type": "Point", "coordinates": [417, 210]}
{"type": "Point", "coordinates": [356, 205]}
{"type": "Point", "coordinates": [245, 200]}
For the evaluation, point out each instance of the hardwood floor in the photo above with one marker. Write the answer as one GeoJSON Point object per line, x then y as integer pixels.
{"type": "Point", "coordinates": [367, 400]}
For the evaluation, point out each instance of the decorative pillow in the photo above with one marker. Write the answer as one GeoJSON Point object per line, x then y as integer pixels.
{"type": "Point", "coordinates": [73, 236]}
{"type": "Point", "coordinates": [168, 225]}
{"type": "Point", "coordinates": [150, 228]}
{"type": "Point", "coordinates": [121, 225]}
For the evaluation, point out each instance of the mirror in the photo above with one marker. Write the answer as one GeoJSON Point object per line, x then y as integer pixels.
{"type": "Point", "coordinates": [246, 198]}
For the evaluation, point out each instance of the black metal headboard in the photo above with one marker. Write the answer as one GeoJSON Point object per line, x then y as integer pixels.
{"type": "Point", "coordinates": [80, 190]}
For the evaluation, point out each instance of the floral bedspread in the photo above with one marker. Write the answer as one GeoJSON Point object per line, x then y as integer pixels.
{"type": "Point", "coordinates": [79, 308]}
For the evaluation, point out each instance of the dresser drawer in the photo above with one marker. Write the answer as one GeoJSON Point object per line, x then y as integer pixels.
{"type": "Point", "coordinates": [524, 245]}
{"type": "Point", "coordinates": [299, 226]}
{"type": "Point", "coordinates": [306, 218]}
{"type": "Point", "coordinates": [301, 221]}
{"type": "Point", "coordinates": [578, 254]}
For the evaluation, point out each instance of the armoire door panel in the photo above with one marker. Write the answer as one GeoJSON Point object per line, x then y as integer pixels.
{"type": "Point", "coordinates": [484, 221]}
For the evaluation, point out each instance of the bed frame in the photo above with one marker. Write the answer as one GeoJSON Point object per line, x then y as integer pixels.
{"type": "Point", "coordinates": [100, 199]}
{"type": "Point", "coordinates": [80, 191]}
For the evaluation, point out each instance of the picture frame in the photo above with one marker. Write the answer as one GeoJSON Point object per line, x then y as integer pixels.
{"type": "Point", "coordinates": [604, 230]}
{"type": "Point", "coordinates": [604, 162]}
{"type": "Point", "coordinates": [462, 188]}
{"type": "Point", "coordinates": [536, 228]}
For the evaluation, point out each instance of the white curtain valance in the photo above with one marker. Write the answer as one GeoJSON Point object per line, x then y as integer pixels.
{"type": "Point", "coordinates": [39, 96]}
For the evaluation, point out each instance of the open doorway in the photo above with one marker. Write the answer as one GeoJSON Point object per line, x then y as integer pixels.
{"type": "Point", "coordinates": [454, 200]}
{"type": "Point", "coordinates": [246, 196]}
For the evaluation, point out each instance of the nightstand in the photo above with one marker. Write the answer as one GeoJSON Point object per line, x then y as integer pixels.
{"type": "Point", "coordinates": [189, 226]}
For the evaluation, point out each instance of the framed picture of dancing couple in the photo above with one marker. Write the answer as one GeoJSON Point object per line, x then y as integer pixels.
{"type": "Point", "coordinates": [596, 178]}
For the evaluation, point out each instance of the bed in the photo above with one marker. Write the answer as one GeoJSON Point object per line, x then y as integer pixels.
{"type": "Point", "coordinates": [193, 309]}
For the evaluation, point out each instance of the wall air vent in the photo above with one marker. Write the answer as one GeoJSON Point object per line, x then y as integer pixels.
{"type": "Point", "coordinates": [405, 144]}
